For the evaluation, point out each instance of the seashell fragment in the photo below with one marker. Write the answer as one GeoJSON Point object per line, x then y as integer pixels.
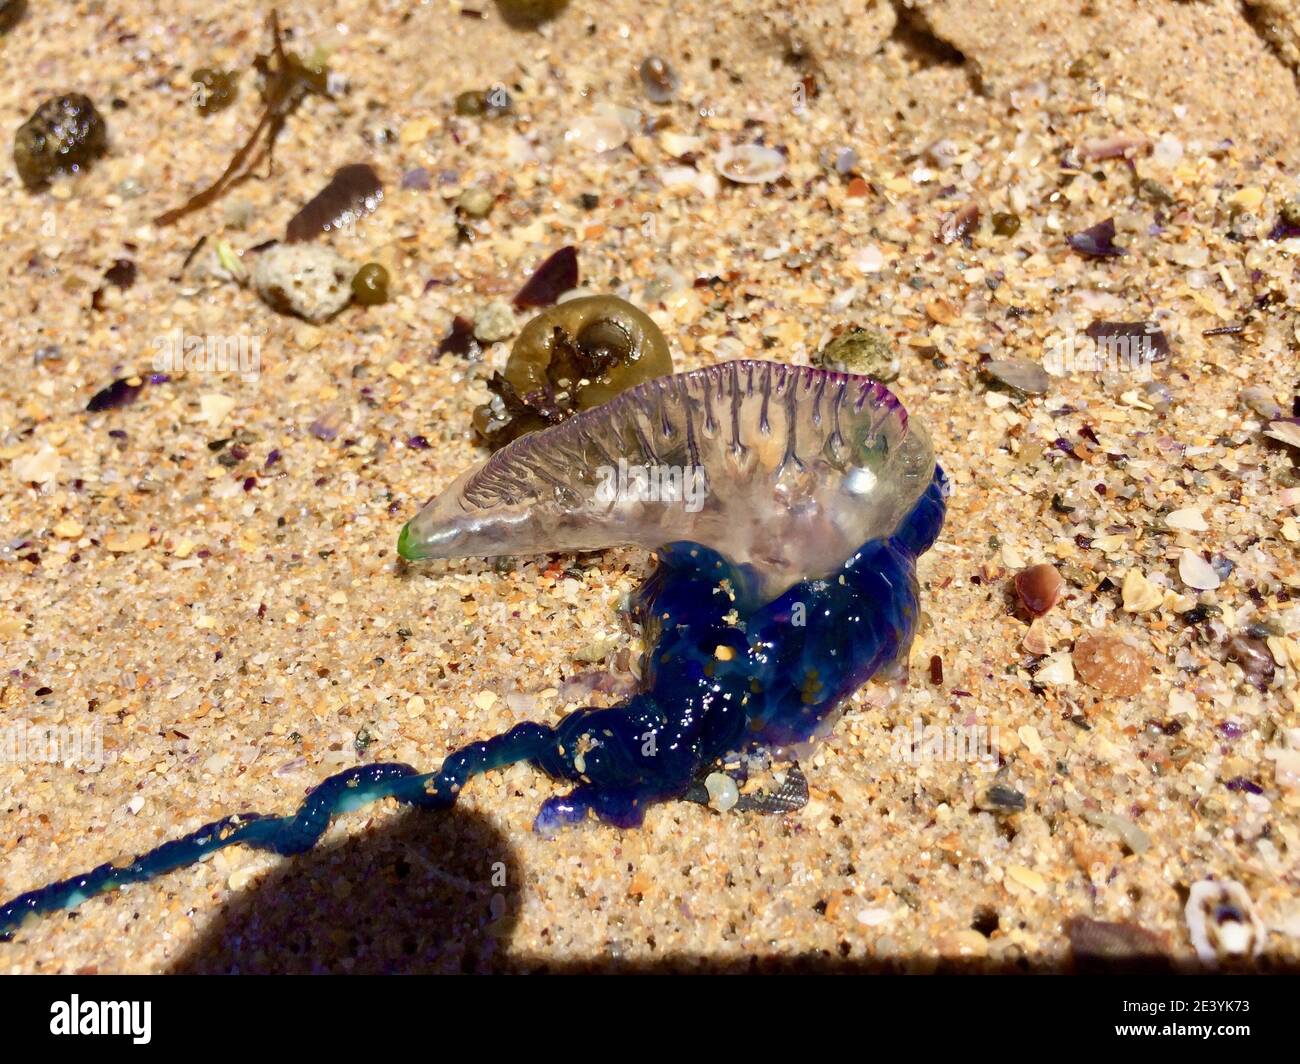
{"type": "Point", "coordinates": [1221, 922]}
{"type": "Point", "coordinates": [1039, 588]}
{"type": "Point", "coordinates": [749, 164]}
{"type": "Point", "coordinates": [688, 179]}
{"type": "Point", "coordinates": [599, 132]}
{"type": "Point", "coordinates": [310, 280]}
{"type": "Point", "coordinates": [1138, 594]}
{"type": "Point", "coordinates": [1196, 572]}
{"type": "Point", "coordinates": [1284, 430]}
{"type": "Point", "coordinates": [1019, 374]}
{"type": "Point", "coordinates": [1110, 664]}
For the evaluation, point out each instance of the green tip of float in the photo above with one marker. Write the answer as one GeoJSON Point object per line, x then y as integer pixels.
{"type": "Point", "coordinates": [405, 548]}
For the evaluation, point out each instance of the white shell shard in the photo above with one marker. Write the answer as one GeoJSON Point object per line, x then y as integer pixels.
{"type": "Point", "coordinates": [749, 164]}
{"type": "Point", "coordinates": [1221, 922]}
{"type": "Point", "coordinates": [788, 469]}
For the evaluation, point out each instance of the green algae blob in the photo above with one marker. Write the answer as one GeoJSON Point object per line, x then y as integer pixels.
{"type": "Point", "coordinates": [573, 356]}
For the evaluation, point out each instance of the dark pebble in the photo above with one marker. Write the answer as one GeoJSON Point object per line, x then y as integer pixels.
{"type": "Point", "coordinates": [1001, 798]}
{"type": "Point", "coordinates": [65, 135]}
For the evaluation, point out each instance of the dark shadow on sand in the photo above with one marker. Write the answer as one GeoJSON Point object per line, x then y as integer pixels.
{"type": "Point", "coordinates": [440, 892]}
{"type": "Point", "coordinates": [426, 893]}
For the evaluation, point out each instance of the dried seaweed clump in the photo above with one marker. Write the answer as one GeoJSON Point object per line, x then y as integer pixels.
{"type": "Point", "coordinates": [287, 80]}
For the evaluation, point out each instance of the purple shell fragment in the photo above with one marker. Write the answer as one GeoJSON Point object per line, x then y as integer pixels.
{"type": "Point", "coordinates": [122, 392]}
{"type": "Point", "coordinates": [1097, 241]}
{"type": "Point", "coordinates": [557, 275]}
{"type": "Point", "coordinates": [416, 180]}
{"type": "Point", "coordinates": [1137, 339]}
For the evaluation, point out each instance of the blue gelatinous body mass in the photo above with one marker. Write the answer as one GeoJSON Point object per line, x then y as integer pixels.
{"type": "Point", "coordinates": [722, 680]}
{"type": "Point", "coordinates": [744, 654]}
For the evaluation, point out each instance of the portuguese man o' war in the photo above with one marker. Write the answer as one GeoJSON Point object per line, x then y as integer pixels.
{"type": "Point", "coordinates": [786, 507]}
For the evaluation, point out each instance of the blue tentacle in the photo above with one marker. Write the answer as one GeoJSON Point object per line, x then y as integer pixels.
{"type": "Point", "coordinates": [341, 793]}
{"type": "Point", "coordinates": [724, 674]}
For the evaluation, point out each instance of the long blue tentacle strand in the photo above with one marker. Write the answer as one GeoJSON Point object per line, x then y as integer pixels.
{"type": "Point", "coordinates": [298, 833]}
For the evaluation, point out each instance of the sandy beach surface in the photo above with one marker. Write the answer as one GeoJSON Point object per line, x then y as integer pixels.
{"type": "Point", "coordinates": [205, 581]}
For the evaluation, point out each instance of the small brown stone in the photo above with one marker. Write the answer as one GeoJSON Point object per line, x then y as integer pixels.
{"type": "Point", "coordinates": [940, 311]}
{"type": "Point", "coordinates": [1111, 665]}
{"type": "Point", "coordinates": [1100, 945]}
{"type": "Point", "coordinates": [1039, 587]}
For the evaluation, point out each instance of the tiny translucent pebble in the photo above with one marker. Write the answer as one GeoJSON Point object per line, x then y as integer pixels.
{"type": "Point", "coordinates": [1196, 572]}
{"type": "Point", "coordinates": [1252, 656]}
{"type": "Point", "coordinates": [658, 79]}
{"type": "Point", "coordinates": [476, 202]}
{"type": "Point", "coordinates": [869, 259]}
{"type": "Point", "coordinates": [495, 322]}
{"type": "Point", "coordinates": [1020, 374]}
{"type": "Point", "coordinates": [597, 133]}
{"type": "Point", "coordinates": [1261, 401]}
{"type": "Point", "coordinates": [1158, 395]}
{"type": "Point", "coordinates": [1167, 151]}
{"type": "Point", "coordinates": [1194, 256]}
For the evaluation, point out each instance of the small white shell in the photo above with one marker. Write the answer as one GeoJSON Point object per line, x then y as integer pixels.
{"type": "Point", "coordinates": [679, 144]}
{"type": "Point", "coordinates": [1187, 519]}
{"type": "Point", "coordinates": [749, 164]}
{"type": "Point", "coordinates": [1196, 572]}
{"type": "Point", "coordinates": [1221, 921]}
{"type": "Point", "coordinates": [1284, 432]}
{"type": "Point", "coordinates": [688, 179]}
{"type": "Point", "coordinates": [598, 132]}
